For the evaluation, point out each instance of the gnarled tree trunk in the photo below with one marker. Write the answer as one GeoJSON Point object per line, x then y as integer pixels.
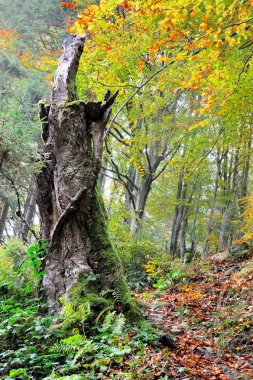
{"type": "Point", "coordinates": [71, 208]}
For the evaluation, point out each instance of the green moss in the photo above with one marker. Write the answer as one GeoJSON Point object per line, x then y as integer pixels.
{"type": "Point", "coordinates": [108, 279]}
{"type": "Point", "coordinates": [111, 266]}
{"type": "Point", "coordinates": [75, 102]}
{"type": "Point", "coordinates": [87, 289]}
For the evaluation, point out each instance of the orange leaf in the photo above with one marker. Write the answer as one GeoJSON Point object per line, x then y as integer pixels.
{"type": "Point", "coordinates": [203, 26]}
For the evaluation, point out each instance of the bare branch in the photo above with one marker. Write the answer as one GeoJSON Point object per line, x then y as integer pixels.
{"type": "Point", "coordinates": [117, 85]}
{"type": "Point", "coordinates": [131, 97]}
{"type": "Point", "coordinates": [118, 139]}
{"type": "Point", "coordinates": [243, 68]}
{"type": "Point", "coordinates": [166, 164]}
{"type": "Point", "coordinates": [19, 211]}
{"type": "Point", "coordinates": [125, 184]}
{"type": "Point", "coordinates": [237, 23]}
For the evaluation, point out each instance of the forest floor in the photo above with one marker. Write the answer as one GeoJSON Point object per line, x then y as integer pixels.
{"type": "Point", "coordinates": [211, 320]}
{"type": "Point", "coordinates": [198, 328]}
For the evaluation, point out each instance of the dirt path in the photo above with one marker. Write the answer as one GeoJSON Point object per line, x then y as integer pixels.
{"type": "Point", "coordinates": [210, 319]}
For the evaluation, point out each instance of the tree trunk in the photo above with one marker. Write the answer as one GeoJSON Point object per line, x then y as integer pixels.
{"type": "Point", "coordinates": [210, 220]}
{"type": "Point", "coordinates": [71, 207]}
{"type": "Point", "coordinates": [3, 218]}
{"type": "Point", "coordinates": [140, 203]}
{"type": "Point", "coordinates": [28, 214]}
{"type": "Point", "coordinates": [179, 214]}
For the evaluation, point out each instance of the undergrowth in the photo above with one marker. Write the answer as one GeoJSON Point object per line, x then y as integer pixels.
{"type": "Point", "coordinates": [208, 302]}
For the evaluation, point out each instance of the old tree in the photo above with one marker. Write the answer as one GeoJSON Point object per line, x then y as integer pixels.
{"type": "Point", "coordinates": [73, 222]}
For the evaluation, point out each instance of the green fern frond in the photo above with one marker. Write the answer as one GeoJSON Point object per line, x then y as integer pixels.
{"type": "Point", "coordinates": [88, 347]}
{"type": "Point", "coordinates": [117, 295]}
{"type": "Point", "coordinates": [75, 340]}
{"type": "Point", "coordinates": [74, 313]}
{"type": "Point", "coordinates": [72, 344]}
{"type": "Point", "coordinates": [84, 311]}
{"type": "Point", "coordinates": [119, 324]}
{"type": "Point", "coordinates": [105, 309]}
{"type": "Point", "coordinates": [108, 321]}
{"type": "Point", "coordinates": [62, 348]}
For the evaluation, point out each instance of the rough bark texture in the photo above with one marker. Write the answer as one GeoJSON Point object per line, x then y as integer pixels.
{"type": "Point", "coordinates": [71, 208]}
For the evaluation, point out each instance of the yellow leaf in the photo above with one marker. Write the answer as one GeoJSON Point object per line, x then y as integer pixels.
{"type": "Point", "coordinates": [232, 42]}
{"type": "Point", "coordinates": [203, 26]}
{"type": "Point", "coordinates": [180, 57]}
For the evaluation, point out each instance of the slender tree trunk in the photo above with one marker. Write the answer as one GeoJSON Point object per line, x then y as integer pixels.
{"type": "Point", "coordinates": [29, 212]}
{"type": "Point", "coordinates": [71, 207]}
{"type": "Point", "coordinates": [140, 204]}
{"type": "Point", "coordinates": [182, 236]}
{"type": "Point", "coordinates": [3, 218]}
{"type": "Point", "coordinates": [194, 226]}
{"type": "Point", "coordinates": [230, 198]}
{"type": "Point", "coordinates": [178, 216]}
{"type": "Point", "coordinates": [210, 220]}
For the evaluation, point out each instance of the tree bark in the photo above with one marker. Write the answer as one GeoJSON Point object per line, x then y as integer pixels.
{"type": "Point", "coordinates": [29, 212]}
{"type": "Point", "coordinates": [210, 220]}
{"type": "Point", "coordinates": [179, 214]}
{"type": "Point", "coordinates": [3, 218]}
{"type": "Point", "coordinates": [72, 214]}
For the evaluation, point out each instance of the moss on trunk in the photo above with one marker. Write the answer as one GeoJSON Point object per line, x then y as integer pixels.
{"type": "Point", "coordinates": [79, 247]}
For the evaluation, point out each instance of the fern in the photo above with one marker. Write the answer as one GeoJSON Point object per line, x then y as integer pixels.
{"type": "Point", "coordinates": [108, 321]}
{"type": "Point", "coordinates": [113, 323]}
{"type": "Point", "coordinates": [105, 309]}
{"type": "Point", "coordinates": [75, 343]}
{"type": "Point", "coordinates": [88, 347]}
{"type": "Point", "coordinates": [84, 311]}
{"type": "Point", "coordinates": [75, 340]}
{"type": "Point", "coordinates": [62, 348]}
{"type": "Point", "coordinates": [73, 313]}
{"type": "Point", "coordinates": [118, 324]}
{"type": "Point", "coordinates": [117, 295]}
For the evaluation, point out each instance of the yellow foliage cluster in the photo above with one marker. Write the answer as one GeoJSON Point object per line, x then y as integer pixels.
{"type": "Point", "coordinates": [247, 228]}
{"type": "Point", "coordinates": [153, 269]}
{"type": "Point", "coordinates": [7, 36]}
{"type": "Point", "coordinates": [199, 42]}
{"type": "Point", "coordinates": [6, 265]}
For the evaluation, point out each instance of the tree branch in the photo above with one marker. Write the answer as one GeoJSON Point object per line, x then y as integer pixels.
{"type": "Point", "coordinates": [125, 184]}
{"type": "Point", "coordinates": [131, 97]}
{"type": "Point", "coordinates": [19, 212]}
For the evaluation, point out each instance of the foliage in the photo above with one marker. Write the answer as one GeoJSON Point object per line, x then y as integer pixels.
{"type": "Point", "coordinates": [36, 254]}
{"type": "Point", "coordinates": [134, 255]}
{"type": "Point", "coordinates": [75, 312]}
{"type": "Point", "coordinates": [114, 350]}
{"type": "Point", "coordinates": [247, 228]}
{"type": "Point", "coordinates": [164, 272]}
{"type": "Point", "coordinates": [170, 279]}
{"type": "Point", "coordinates": [25, 337]}
{"type": "Point", "coordinates": [184, 71]}
{"type": "Point", "coordinates": [20, 268]}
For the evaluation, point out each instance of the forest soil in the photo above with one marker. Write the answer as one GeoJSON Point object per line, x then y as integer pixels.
{"type": "Point", "coordinates": [210, 317]}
